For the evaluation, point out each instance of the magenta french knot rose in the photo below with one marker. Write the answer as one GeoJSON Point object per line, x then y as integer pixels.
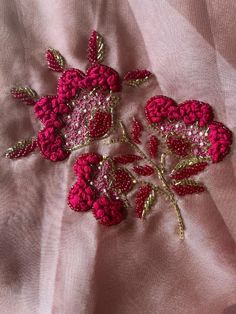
{"type": "Point", "coordinates": [51, 143]}
{"type": "Point", "coordinates": [50, 111]}
{"type": "Point", "coordinates": [83, 165]}
{"type": "Point", "coordinates": [108, 211]}
{"type": "Point", "coordinates": [158, 108]}
{"type": "Point", "coordinates": [221, 139]}
{"type": "Point", "coordinates": [101, 76]}
{"type": "Point", "coordinates": [69, 84]}
{"type": "Point", "coordinates": [81, 196]}
{"type": "Point", "coordinates": [193, 111]}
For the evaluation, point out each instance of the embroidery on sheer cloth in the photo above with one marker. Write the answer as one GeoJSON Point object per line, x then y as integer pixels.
{"type": "Point", "coordinates": [177, 142]}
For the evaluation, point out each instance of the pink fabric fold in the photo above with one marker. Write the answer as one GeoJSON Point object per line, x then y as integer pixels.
{"type": "Point", "coordinates": [53, 260]}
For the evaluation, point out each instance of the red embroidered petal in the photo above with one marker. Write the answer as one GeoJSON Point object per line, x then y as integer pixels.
{"type": "Point", "coordinates": [108, 211]}
{"type": "Point", "coordinates": [103, 77]}
{"type": "Point", "coordinates": [178, 146]}
{"type": "Point", "coordinates": [220, 138]}
{"type": "Point", "coordinates": [159, 108]}
{"type": "Point", "coordinates": [193, 111]}
{"type": "Point", "coordinates": [69, 85]}
{"type": "Point", "coordinates": [81, 196]}
{"type": "Point", "coordinates": [122, 181]}
{"type": "Point", "coordinates": [51, 144]}
{"type": "Point", "coordinates": [100, 124]}
{"type": "Point", "coordinates": [49, 111]}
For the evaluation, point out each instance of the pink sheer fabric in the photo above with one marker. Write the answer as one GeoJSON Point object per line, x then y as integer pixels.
{"type": "Point", "coordinates": [53, 260]}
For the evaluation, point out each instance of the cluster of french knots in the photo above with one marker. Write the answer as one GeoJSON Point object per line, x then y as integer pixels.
{"type": "Point", "coordinates": [175, 144]}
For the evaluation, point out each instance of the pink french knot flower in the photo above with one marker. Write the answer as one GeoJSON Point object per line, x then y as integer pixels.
{"type": "Point", "coordinates": [196, 111]}
{"type": "Point", "coordinates": [51, 143]}
{"type": "Point", "coordinates": [84, 165]}
{"type": "Point", "coordinates": [158, 108]}
{"type": "Point", "coordinates": [188, 128]}
{"type": "Point", "coordinates": [101, 76]}
{"type": "Point", "coordinates": [81, 196]}
{"type": "Point", "coordinates": [49, 111]}
{"type": "Point", "coordinates": [220, 138]}
{"type": "Point", "coordinates": [109, 211]}
{"type": "Point", "coordinates": [82, 109]}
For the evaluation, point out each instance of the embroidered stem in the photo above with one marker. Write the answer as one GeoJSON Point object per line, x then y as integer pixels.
{"type": "Point", "coordinates": [159, 171]}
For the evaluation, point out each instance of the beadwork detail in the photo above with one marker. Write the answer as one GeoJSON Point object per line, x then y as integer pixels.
{"type": "Point", "coordinates": [160, 160]}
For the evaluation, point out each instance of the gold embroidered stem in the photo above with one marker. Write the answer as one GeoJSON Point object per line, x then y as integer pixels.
{"type": "Point", "coordinates": [169, 193]}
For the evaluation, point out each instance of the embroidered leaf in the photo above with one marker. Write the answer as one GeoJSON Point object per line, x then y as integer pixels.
{"type": "Point", "coordinates": [144, 170]}
{"type": "Point", "coordinates": [96, 48]}
{"type": "Point", "coordinates": [137, 77]}
{"type": "Point", "coordinates": [144, 199]}
{"type": "Point", "coordinates": [189, 167]}
{"type": "Point", "coordinates": [123, 180]}
{"type": "Point", "coordinates": [153, 146]}
{"type": "Point", "coordinates": [26, 94]}
{"type": "Point", "coordinates": [21, 149]}
{"type": "Point", "coordinates": [136, 131]}
{"type": "Point", "coordinates": [185, 187]}
{"type": "Point", "coordinates": [126, 159]}
{"type": "Point", "coordinates": [55, 60]}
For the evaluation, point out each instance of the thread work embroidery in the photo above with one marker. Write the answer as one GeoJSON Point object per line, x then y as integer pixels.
{"type": "Point", "coordinates": [162, 156]}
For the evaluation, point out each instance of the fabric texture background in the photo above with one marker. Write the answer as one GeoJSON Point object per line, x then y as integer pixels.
{"type": "Point", "coordinates": [53, 260]}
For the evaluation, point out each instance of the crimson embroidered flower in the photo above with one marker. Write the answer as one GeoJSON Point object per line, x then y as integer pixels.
{"type": "Point", "coordinates": [109, 212]}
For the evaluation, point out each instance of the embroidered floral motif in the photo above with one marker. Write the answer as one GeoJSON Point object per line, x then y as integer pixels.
{"type": "Point", "coordinates": [179, 143]}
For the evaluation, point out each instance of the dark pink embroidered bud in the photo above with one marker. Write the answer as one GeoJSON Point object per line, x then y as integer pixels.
{"type": "Point", "coordinates": [178, 146]}
{"type": "Point", "coordinates": [122, 181]}
{"type": "Point", "coordinates": [81, 196]}
{"type": "Point", "coordinates": [109, 211]}
{"type": "Point", "coordinates": [100, 124]}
